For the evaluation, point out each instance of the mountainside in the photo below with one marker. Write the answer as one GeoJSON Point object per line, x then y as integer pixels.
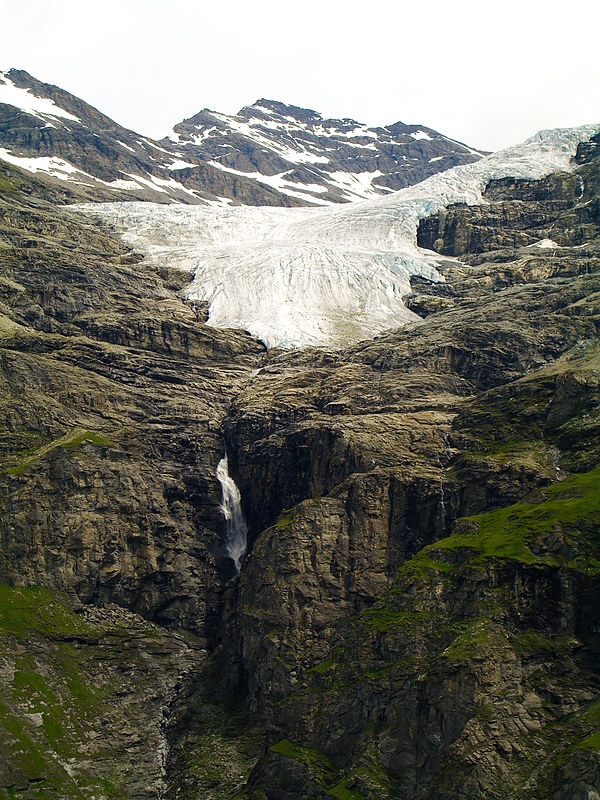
{"type": "Point", "coordinates": [305, 156]}
{"type": "Point", "coordinates": [418, 613]}
{"type": "Point", "coordinates": [46, 130]}
{"type": "Point", "coordinates": [262, 157]}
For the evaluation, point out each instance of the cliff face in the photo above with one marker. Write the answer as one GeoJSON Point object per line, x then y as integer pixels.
{"type": "Point", "coordinates": [113, 391]}
{"type": "Point", "coordinates": [418, 613]}
{"type": "Point", "coordinates": [424, 622]}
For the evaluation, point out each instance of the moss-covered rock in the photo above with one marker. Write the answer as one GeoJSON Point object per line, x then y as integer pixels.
{"type": "Point", "coordinates": [84, 697]}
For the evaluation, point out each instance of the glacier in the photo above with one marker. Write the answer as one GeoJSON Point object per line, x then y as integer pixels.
{"type": "Point", "coordinates": [298, 277]}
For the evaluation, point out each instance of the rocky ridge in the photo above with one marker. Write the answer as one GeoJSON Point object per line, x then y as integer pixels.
{"type": "Point", "coordinates": [263, 156]}
{"type": "Point", "coordinates": [318, 160]}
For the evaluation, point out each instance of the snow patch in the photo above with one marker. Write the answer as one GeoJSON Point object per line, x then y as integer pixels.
{"type": "Point", "coordinates": [357, 184]}
{"type": "Point", "coordinates": [56, 167]}
{"type": "Point", "coordinates": [181, 165]}
{"type": "Point", "coordinates": [27, 101]}
{"type": "Point", "coordinates": [276, 182]}
{"type": "Point", "coordinates": [421, 135]}
{"type": "Point", "coordinates": [296, 156]}
{"type": "Point", "coordinates": [545, 244]}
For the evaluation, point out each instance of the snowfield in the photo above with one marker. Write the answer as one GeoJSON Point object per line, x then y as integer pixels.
{"type": "Point", "coordinates": [295, 277]}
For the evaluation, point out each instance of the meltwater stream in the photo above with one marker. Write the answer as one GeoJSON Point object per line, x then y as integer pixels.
{"type": "Point", "coordinates": [236, 536]}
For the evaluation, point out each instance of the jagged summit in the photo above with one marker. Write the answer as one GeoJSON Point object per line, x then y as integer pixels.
{"type": "Point", "coordinates": [46, 130]}
{"type": "Point", "coordinates": [285, 109]}
{"type": "Point", "coordinates": [313, 159]}
{"type": "Point", "coordinates": [269, 154]}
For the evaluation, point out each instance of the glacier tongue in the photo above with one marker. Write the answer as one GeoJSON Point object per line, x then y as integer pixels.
{"type": "Point", "coordinates": [295, 277]}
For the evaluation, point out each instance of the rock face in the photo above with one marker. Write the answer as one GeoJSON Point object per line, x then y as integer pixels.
{"type": "Point", "coordinates": [417, 616]}
{"type": "Point", "coordinates": [520, 213]}
{"type": "Point", "coordinates": [110, 417]}
{"type": "Point", "coordinates": [86, 694]}
{"type": "Point", "coordinates": [268, 155]}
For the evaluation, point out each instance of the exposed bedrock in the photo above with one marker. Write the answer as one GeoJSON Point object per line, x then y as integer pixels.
{"type": "Point", "coordinates": [418, 615]}
{"type": "Point", "coordinates": [472, 656]}
{"type": "Point", "coordinates": [112, 395]}
{"type": "Point", "coordinates": [309, 421]}
{"type": "Point", "coordinates": [563, 207]}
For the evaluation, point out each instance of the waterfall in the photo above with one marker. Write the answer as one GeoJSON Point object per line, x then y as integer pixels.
{"type": "Point", "coordinates": [236, 536]}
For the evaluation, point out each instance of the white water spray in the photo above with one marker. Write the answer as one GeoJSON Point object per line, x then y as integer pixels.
{"type": "Point", "coordinates": [236, 536]}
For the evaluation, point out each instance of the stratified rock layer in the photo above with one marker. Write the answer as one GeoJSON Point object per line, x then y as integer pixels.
{"type": "Point", "coordinates": [418, 617]}
{"type": "Point", "coordinates": [113, 393]}
{"type": "Point", "coordinates": [418, 613]}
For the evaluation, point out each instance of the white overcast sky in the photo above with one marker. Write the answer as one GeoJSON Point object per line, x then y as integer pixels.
{"type": "Point", "coordinates": [487, 73]}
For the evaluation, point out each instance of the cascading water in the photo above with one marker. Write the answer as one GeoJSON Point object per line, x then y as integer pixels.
{"type": "Point", "coordinates": [236, 536]}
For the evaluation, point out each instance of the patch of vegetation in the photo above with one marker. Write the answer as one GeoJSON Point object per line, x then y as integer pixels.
{"type": "Point", "coordinates": [8, 185]}
{"type": "Point", "coordinates": [25, 609]}
{"type": "Point", "coordinates": [510, 532]}
{"type": "Point", "coordinates": [519, 453]}
{"type": "Point", "coordinates": [342, 793]}
{"type": "Point", "coordinates": [591, 717]}
{"type": "Point", "coordinates": [405, 667]}
{"type": "Point", "coordinates": [423, 565]}
{"type": "Point", "coordinates": [21, 443]}
{"type": "Point", "coordinates": [61, 682]}
{"type": "Point", "coordinates": [532, 642]}
{"type": "Point", "coordinates": [320, 766]}
{"type": "Point", "coordinates": [85, 437]}
{"type": "Point", "coordinates": [284, 520]}
{"type": "Point", "coordinates": [474, 639]}
{"type": "Point", "coordinates": [323, 668]}
{"type": "Point", "coordinates": [591, 743]}
{"type": "Point", "coordinates": [384, 619]}
{"type": "Point", "coordinates": [511, 424]}
{"type": "Point", "coordinates": [74, 439]}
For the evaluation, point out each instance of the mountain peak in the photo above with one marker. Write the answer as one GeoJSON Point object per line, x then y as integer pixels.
{"type": "Point", "coordinates": [286, 110]}
{"type": "Point", "coordinates": [269, 153]}
{"type": "Point", "coordinates": [316, 160]}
